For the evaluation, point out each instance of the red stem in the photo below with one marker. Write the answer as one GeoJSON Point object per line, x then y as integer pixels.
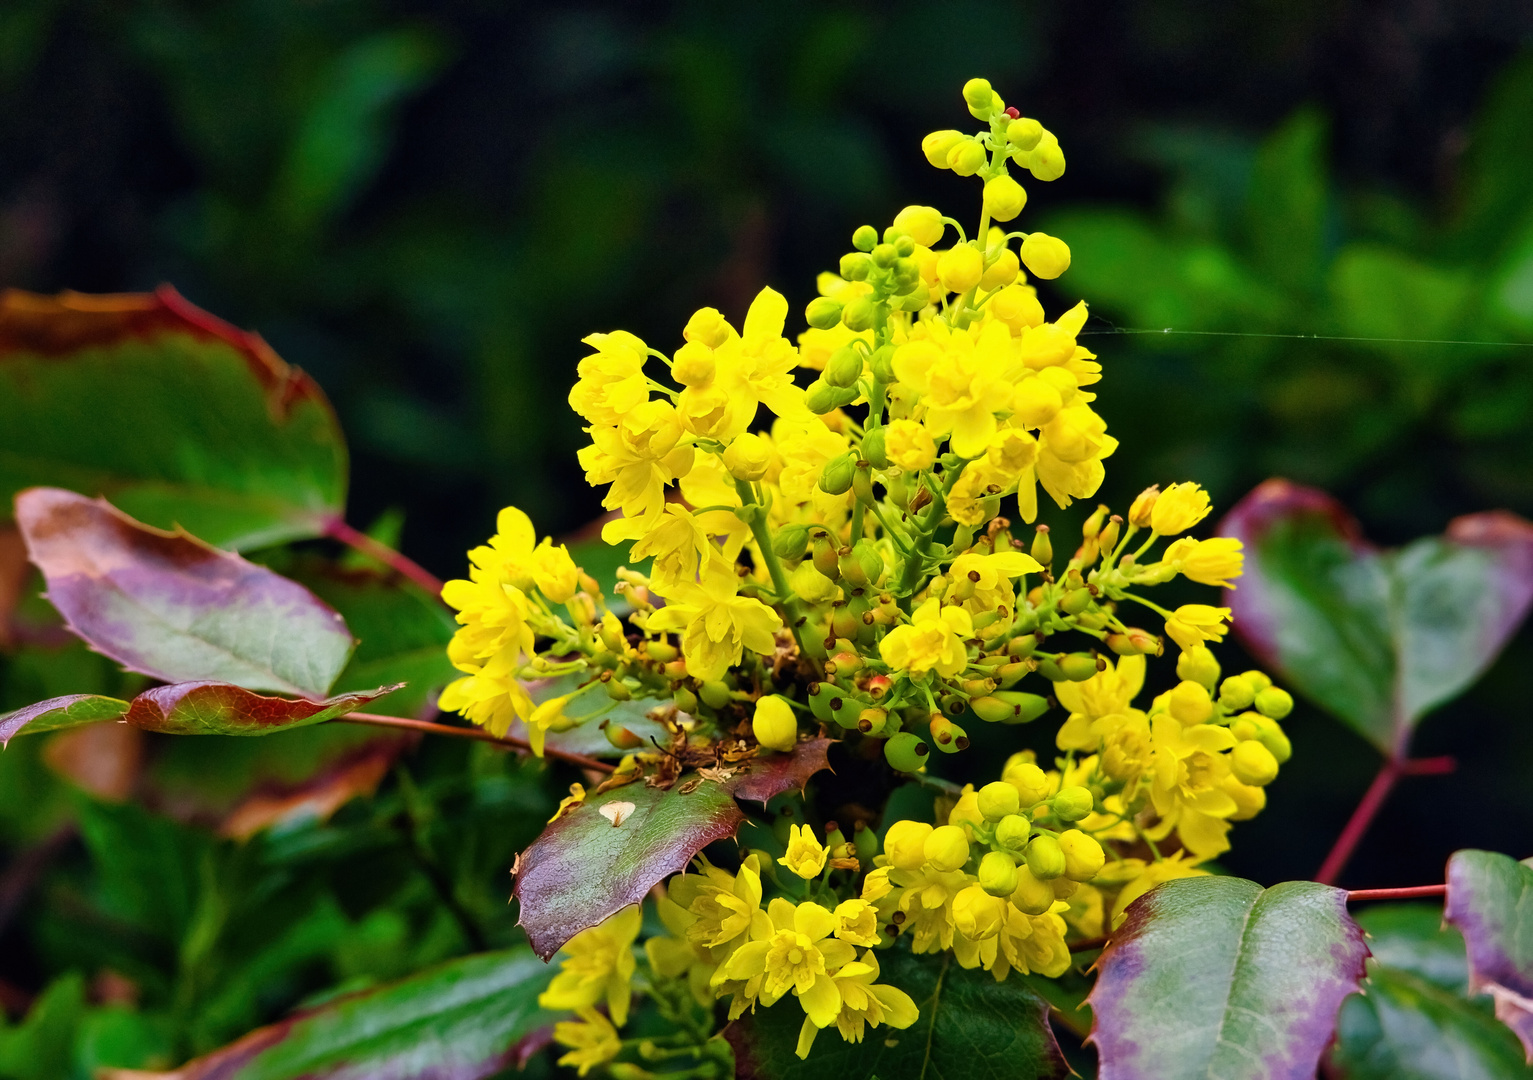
{"type": "Point", "coordinates": [337, 529]}
{"type": "Point", "coordinates": [1410, 892]}
{"type": "Point", "coordinates": [374, 720]}
{"type": "Point", "coordinates": [1392, 770]}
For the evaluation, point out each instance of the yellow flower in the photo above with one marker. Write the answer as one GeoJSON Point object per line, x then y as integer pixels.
{"type": "Point", "coordinates": [805, 855]}
{"type": "Point", "coordinates": [1208, 562]}
{"type": "Point", "coordinates": [514, 557]}
{"type": "Point", "coordinates": [1192, 624]}
{"type": "Point", "coordinates": [863, 1002]}
{"type": "Point", "coordinates": [910, 446]}
{"type": "Point", "coordinates": [973, 498]}
{"type": "Point", "coordinates": [932, 641]}
{"type": "Point", "coordinates": [494, 614]}
{"type": "Point", "coordinates": [961, 381]}
{"type": "Point", "coordinates": [1188, 792]}
{"type": "Point", "coordinates": [491, 695]}
{"type": "Point", "coordinates": [674, 955]}
{"type": "Point", "coordinates": [676, 539]}
{"type": "Point", "coordinates": [857, 922]}
{"type": "Point", "coordinates": [748, 457]}
{"type": "Point", "coordinates": [598, 965]}
{"type": "Point", "coordinates": [592, 1040]}
{"type": "Point", "coordinates": [725, 905]}
{"type": "Point", "coordinates": [1179, 508]}
{"type": "Point", "coordinates": [983, 582]}
{"type": "Point", "coordinates": [799, 955]}
{"type": "Point", "coordinates": [717, 624]}
{"type": "Point", "coordinates": [1045, 256]}
{"type": "Point", "coordinates": [1108, 693]}
{"type": "Point", "coordinates": [923, 223]}
{"type": "Point", "coordinates": [638, 457]}
{"type": "Point", "coordinates": [1032, 944]}
{"type": "Point", "coordinates": [612, 382]}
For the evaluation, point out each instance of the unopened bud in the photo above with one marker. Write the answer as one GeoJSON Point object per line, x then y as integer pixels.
{"type": "Point", "coordinates": [1135, 642]}
{"type": "Point", "coordinates": [836, 477]}
{"type": "Point", "coordinates": [946, 848]}
{"type": "Point", "coordinates": [823, 313]}
{"type": "Point", "coordinates": [1274, 702]}
{"type": "Point", "coordinates": [997, 800]}
{"type": "Point", "coordinates": [844, 367]}
{"type": "Point", "coordinates": [1076, 601]}
{"type": "Point", "coordinates": [1024, 133]}
{"type": "Point", "coordinates": [1084, 857]}
{"type": "Point", "coordinates": [1093, 524]}
{"type": "Point", "coordinates": [1045, 858]}
{"type": "Point", "coordinates": [791, 542]}
{"type": "Point", "coordinates": [715, 694]}
{"type": "Point", "coordinates": [859, 314]}
{"type": "Point", "coordinates": [1031, 782]}
{"type": "Point", "coordinates": [865, 238]}
{"type": "Point", "coordinates": [1236, 693]}
{"type": "Point", "coordinates": [936, 147]}
{"type": "Point", "coordinates": [1031, 896]}
{"type": "Point", "coordinates": [1012, 832]}
{"type": "Point", "coordinates": [1072, 804]}
{"type": "Point", "coordinates": [977, 94]}
{"type": "Point", "coordinates": [1144, 503]}
{"type": "Point", "coordinates": [997, 874]}
{"type": "Point", "coordinates": [1078, 667]}
{"type": "Point", "coordinates": [874, 450]}
{"type": "Point", "coordinates": [820, 397]}
{"type": "Point", "coordinates": [1252, 763]}
{"type": "Point", "coordinates": [1198, 665]}
{"type": "Point", "coordinates": [748, 458]}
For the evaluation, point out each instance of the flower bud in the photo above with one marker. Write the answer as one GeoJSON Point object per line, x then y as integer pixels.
{"type": "Point", "coordinates": [748, 457]}
{"type": "Point", "coordinates": [820, 397]}
{"type": "Point", "coordinates": [1072, 803]}
{"type": "Point", "coordinates": [997, 800]}
{"type": "Point", "coordinates": [1190, 703]}
{"type": "Point", "coordinates": [1045, 256]}
{"type": "Point", "coordinates": [1274, 702]}
{"type": "Point", "coordinates": [916, 299]}
{"type": "Point", "coordinates": [858, 315]}
{"type": "Point", "coordinates": [967, 157]}
{"type": "Point", "coordinates": [874, 448]}
{"type": "Point", "coordinates": [905, 844]}
{"type": "Point", "coordinates": [774, 724]}
{"type": "Point", "coordinates": [1012, 832]}
{"type": "Point", "coordinates": [1135, 642]}
{"type": "Point", "coordinates": [992, 710]}
{"type": "Point", "coordinates": [844, 367]}
{"type": "Point", "coordinates": [1236, 693]}
{"type": "Point", "coordinates": [949, 737]}
{"type": "Point", "coordinates": [1031, 896]}
{"type": "Point", "coordinates": [1004, 197]}
{"type": "Point", "coordinates": [906, 752]}
{"type": "Point", "coordinates": [946, 847]}
{"type": "Point", "coordinates": [1144, 504]}
{"type": "Point", "coordinates": [960, 268]}
{"type": "Point", "coordinates": [865, 238]}
{"type": "Point", "coordinates": [1179, 508]}
{"type": "Point", "coordinates": [1045, 858]}
{"type": "Point", "coordinates": [1076, 601]}
{"type": "Point", "coordinates": [707, 327]}
{"type": "Point", "coordinates": [1084, 857]}
{"type": "Point", "coordinates": [823, 313]}
{"type": "Point", "coordinates": [936, 147]}
{"type": "Point", "coordinates": [977, 94]}
{"type": "Point", "coordinates": [884, 255]}
{"type": "Point", "coordinates": [865, 840]}
{"type": "Point", "coordinates": [693, 364]}
{"type": "Point", "coordinates": [1252, 763]}
{"type": "Point", "coordinates": [836, 477]}
{"type": "Point", "coordinates": [1002, 271]}
{"type": "Point", "coordinates": [922, 223]}
{"type": "Point", "coordinates": [1024, 133]}
{"type": "Point", "coordinates": [618, 690]}
{"type": "Point", "coordinates": [997, 874]}
{"type": "Point", "coordinates": [1078, 667]}
{"type": "Point", "coordinates": [855, 266]}
{"type": "Point", "coordinates": [1017, 305]}
{"type": "Point", "coordinates": [881, 363]}
{"type": "Point", "coordinates": [826, 555]}
{"type": "Point", "coordinates": [1029, 707]}
{"type": "Point", "coordinates": [977, 914]}
{"type": "Point", "coordinates": [791, 542]}
{"type": "Point", "coordinates": [612, 632]}
{"type": "Point", "coordinates": [1259, 680]}
{"type": "Point", "coordinates": [715, 693]}
{"type": "Point", "coordinates": [1046, 161]}
{"type": "Point", "coordinates": [807, 582]}
{"type": "Point", "coordinates": [1063, 888]}
{"type": "Point", "coordinates": [1031, 782]}
{"type": "Point", "coordinates": [1198, 665]}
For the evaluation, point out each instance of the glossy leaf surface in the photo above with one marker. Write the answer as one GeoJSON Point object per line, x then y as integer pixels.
{"type": "Point", "coordinates": [1490, 899]}
{"type": "Point", "coordinates": [607, 852]}
{"type": "Point", "coordinates": [970, 1026]}
{"type": "Point", "coordinates": [1377, 638]}
{"type": "Point", "coordinates": [60, 712]}
{"type": "Point", "coordinates": [772, 774]}
{"type": "Point", "coordinates": [1217, 976]}
{"type": "Point", "coordinates": [176, 416]}
{"type": "Point", "coordinates": [463, 1020]}
{"type": "Point", "coordinates": [173, 608]}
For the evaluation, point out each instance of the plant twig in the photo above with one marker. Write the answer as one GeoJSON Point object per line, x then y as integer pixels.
{"type": "Point", "coordinates": [1394, 767]}
{"type": "Point", "coordinates": [337, 529]}
{"type": "Point", "coordinates": [478, 734]}
{"type": "Point", "coordinates": [1410, 892]}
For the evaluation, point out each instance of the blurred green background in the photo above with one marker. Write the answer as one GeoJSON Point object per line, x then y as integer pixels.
{"type": "Point", "coordinates": [427, 205]}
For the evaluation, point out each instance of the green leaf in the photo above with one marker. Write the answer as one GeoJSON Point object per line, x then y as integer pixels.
{"type": "Point", "coordinates": [172, 607]}
{"type": "Point", "coordinates": [1217, 976]}
{"type": "Point", "coordinates": [1376, 638]}
{"type": "Point", "coordinates": [1381, 292]}
{"type": "Point", "coordinates": [39, 1047]}
{"type": "Point", "coordinates": [607, 852]}
{"type": "Point", "coordinates": [1288, 202]}
{"type": "Point", "coordinates": [1412, 937]}
{"type": "Point", "coordinates": [178, 417]}
{"type": "Point", "coordinates": [970, 1026]}
{"type": "Point", "coordinates": [59, 712]}
{"type": "Point", "coordinates": [1490, 900]}
{"type": "Point", "coordinates": [463, 1020]}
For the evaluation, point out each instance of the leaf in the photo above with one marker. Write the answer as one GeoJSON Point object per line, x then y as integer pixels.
{"type": "Point", "coordinates": [772, 774]}
{"type": "Point", "coordinates": [176, 416]}
{"type": "Point", "coordinates": [970, 1026]}
{"type": "Point", "coordinates": [1288, 201]}
{"type": "Point", "coordinates": [1412, 938]}
{"type": "Point", "coordinates": [1384, 293]}
{"type": "Point", "coordinates": [463, 1020]}
{"type": "Point", "coordinates": [355, 775]}
{"type": "Point", "coordinates": [585, 868]}
{"type": "Point", "coordinates": [1490, 900]}
{"type": "Point", "coordinates": [172, 607]}
{"type": "Point", "coordinates": [60, 712]}
{"type": "Point", "coordinates": [1377, 638]}
{"type": "Point", "coordinates": [1217, 976]}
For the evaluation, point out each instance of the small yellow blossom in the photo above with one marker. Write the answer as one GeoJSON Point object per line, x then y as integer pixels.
{"type": "Point", "coordinates": [799, 955]}
{"type": "Point", "coordinates": [717, 624]}
{"type": "Point", "coordinates": [592, 1040]}
{"type": "Point", "coordinates": [910, 446]}
{"type": "Point", "coordinates": [932, 641]}
{"type": "Point", "coordinates": [864, 1001]}
{"type": "Point", "coordinates": [1208, 562]}
{"type": "Point", "coordinates": [1192, 624]}
{"type": "Point", "coordinates": [1179, 508]}
{"type": "Point", "coordinates": [805, 855]}
{"type": "Point", "coordinates": [598, 966]}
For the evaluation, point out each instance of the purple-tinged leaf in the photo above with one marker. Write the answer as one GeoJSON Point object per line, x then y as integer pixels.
{"type": "Point", "coordinates": [60, 712]}
{"type": "Point", "coordinates": [169, 606]}
{"type": "Point", "coordinates": [467, 1019]}
{"type": "Point", "coordinates": [610, 850]}
{"type": "Point", "coordinates": [1377, 638]}
{"type": "Point", "coordinates": [213, 708]}
{"type": "Point", "coordinates": [1216, 976]}
{"type": "Point", "coordinates": [759, 779]}
{"type": "Point", "coordinates": [1490, 900]}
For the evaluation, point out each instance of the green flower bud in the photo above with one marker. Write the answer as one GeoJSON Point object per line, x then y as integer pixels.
{"type": "Point", "coordinates": [1072, 804]}
{"type": "Point", "coordinates": [906, 752]}
{"type": "Point", "coordinates": [1236, 693]}
{"type": "Point", "coordinates": [791, 542]}
{"type": "Point", "coordinates": [992, 710]}
{"type": "Point", "coordinates": [714, 693]}
{"type": "Point", "coordinates": [1024, 133]}
{"type": "Point", "coordinates": [1259, 680]}
{"type": "Point", "coordinates": [947, 848]}
{"type": "Point", "coordinates": [1031, 896]}
{"type": "Point", "coordinates": [1045, 858]}
{"type": "Point", "coordinates": [858, 315]}
{"type": "Point", "coordinates": [881, 363]}
{"type": "Point", "coordinates": [684, 699]}
{"type": "Point", "coordinates": [1012, 832]}
{"type": "Point", "coordinates": [914, 300]}
{"type": "Point", "coordinates": [865, 840]}
{"type": "Point", "coordinates": [1198, 665]}
{"type": "Point", "coordinates": [844, 367]}
{"type": "Point", "coordinates": [998, 874]}
{"type": "Point", "coordinates": [998, 800]}
{"type": "Point", "coordinates": [836, 477]}
{"type": "Point", "coordinates": [826, 557]}
{"type": "Point", "coordinates": [821, 397]}
{"type": "Point", "coordinates": [618, 690]}
{"type": "Point", "coordinates": [1274, 702]}
{"type": "Point", "coordinates": [865, 238]}
{"type": "Point", "coordinates": [1268, 733]}
{"type": "Point", "coordinates": [823, 313]}
{"type": "Point", "coordinates": [855, 266]}
{"type": "Point", "coordinates": [1252, 763]}
{"type": "Point", "coordinates": [821, 694]}
{"type": "Point", "coordinates": [871, 561]}
{"type": "Point", "coordinates": [1078, 667]}
{"type": "Point", "coordinates": [1084, 857]}
{"type": "Point", "coordinates": [906, 271]}
{"type": "Point", "coordinates": [873, 447]}
{"type": "Point", "coordinates": [1029, 706]}
{"type": "Point", "coordinates": [905, 246]}
{"type": "Point", "coordinates": [807, 581]}
{"type": "Point", "coordinates": [884, 256]}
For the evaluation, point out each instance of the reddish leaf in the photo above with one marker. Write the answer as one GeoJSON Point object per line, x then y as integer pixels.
{"type": "Point", "coordinates": [103, 759]}
{"type": "Point", "coordinates": [773, 774]}
{"type": "Point", "coordinates": [609, 851]}
{"type": "Point", "coordinates": [60, 712]}
{"type": "Point", "coordinates": [171, 607]}
{"type": "Point", "coordinates": [214, 708]}
{"type": "Point", "coordinates": [356, 775]}
{"type": "Point", "coordinates": [1490, 899]}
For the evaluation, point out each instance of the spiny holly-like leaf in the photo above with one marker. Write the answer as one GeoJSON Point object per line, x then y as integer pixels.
{"type": "Point", "coordinates": [610, 850]}
{"type": "Point", "coordinates": [467, 1019]}
{"type": "Point", "coordinates": [970, 1026]}
{"type": "Point", "coordinates": [176, 416]}
{"type": "Point", "coordinates": [772, 774]}
{"type": "Point", "coordinates": [60, 712]}
{"type": "Point", "coordinates": [173, 608]}
{"type": "Point", "coordinates": [1217, 976]}
{"type": "Point", "coordinates": [1377, 638]}
{"type": "Point", "coordinates": [192, 708]}
{"type": "Point", "coordinates": [1490, 899]}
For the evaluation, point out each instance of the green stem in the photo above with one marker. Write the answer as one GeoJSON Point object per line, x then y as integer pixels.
{"type": "Point", "coordinates": [774, 567]}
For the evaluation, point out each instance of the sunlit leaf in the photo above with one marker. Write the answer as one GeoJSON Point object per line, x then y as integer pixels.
{"type": "Point", "coordinates": [1490, 899]}
{"type": "Point", "coordinates": [1216, 976]}
{"type": "Point", "coordinates": [1377, 638]}
{"type": "Point", "coordinates": [174, 608]}
{"type": "Point", "coordinates": [60, 712]}
{"type": "Point", "coordinates": [176, 416]}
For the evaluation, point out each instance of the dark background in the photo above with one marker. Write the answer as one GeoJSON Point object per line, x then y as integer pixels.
{"type": "Point", "coordinates": [428, 205]}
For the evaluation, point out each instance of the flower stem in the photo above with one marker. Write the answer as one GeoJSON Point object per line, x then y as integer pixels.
{"type": "Point", "coordinates": [479, 734]}
{"type": "Point", "coordinates": [337, 529]}
{"type": "Point", "coordinates": [1397, 765]}
{"type": "Point", "coordinates": [779, 577]}
{"type": "Point", "coordinates": [1410, 892]}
